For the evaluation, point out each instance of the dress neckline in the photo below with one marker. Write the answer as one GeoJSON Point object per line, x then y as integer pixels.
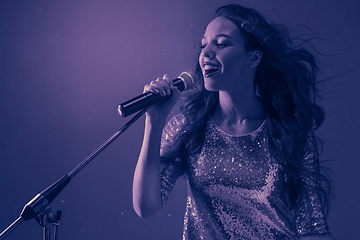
{"type": "Point", "coordinates": [253, 133]}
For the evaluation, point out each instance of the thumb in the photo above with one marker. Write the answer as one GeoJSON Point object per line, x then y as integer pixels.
{"type": "Point", "coordinates": [167, 78]}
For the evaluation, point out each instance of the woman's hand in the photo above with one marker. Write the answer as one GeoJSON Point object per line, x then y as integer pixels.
{"type": "Point", "coordinates": [164, 87]}
{"type": "Point", "coordinates": [146, 185]}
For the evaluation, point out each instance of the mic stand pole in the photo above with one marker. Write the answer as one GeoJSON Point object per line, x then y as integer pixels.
{"type": "Point", "coordinates": [39, 208]}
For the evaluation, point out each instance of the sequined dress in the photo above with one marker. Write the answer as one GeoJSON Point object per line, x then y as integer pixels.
{"type": "Point", "coordinates": [235, 189]}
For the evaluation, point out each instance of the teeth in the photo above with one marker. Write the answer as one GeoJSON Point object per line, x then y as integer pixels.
{"type": "Point", "coordinates": [210, 67]}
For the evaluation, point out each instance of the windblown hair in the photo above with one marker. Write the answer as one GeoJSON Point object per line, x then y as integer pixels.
{"type": "Point", "coordinates": [286, 83]}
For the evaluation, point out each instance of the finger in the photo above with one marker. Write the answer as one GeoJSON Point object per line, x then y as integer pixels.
{"type": "Point", "coordinates": [157, 86]}
{"type": "Point", "coordinates": [160, 86]}
{"type": "Point", "coordinates": [165, 85]}
{"type": "Point", "coordinates": [151, 88]}
{"type": "Point", "coordinates": [170, 81]}
{"type": "Point", "coordinates": [167, 78]}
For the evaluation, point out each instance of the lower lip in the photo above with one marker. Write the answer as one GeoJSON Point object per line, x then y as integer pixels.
{"type": "Point", "coordinates": [210, 74]}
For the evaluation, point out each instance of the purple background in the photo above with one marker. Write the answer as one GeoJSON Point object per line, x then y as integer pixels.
{"type": "Point", "coordinates": [66, 65]}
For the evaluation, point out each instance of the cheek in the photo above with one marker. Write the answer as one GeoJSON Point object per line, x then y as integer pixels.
{"type": "Point", "coordinates": [234, 61]}
{"type": "Point", "coordinates": [200, 59]}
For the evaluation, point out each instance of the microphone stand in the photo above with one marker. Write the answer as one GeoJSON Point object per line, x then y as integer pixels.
{"type": "Point", "coordinates": [39, 208]}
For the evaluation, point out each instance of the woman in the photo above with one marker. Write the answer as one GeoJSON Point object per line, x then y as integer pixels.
{"type": "Point", "coordinates": [244, 138]}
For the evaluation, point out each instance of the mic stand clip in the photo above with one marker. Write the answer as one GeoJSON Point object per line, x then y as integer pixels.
{"type": "Point", "coordinates": [39, 209]}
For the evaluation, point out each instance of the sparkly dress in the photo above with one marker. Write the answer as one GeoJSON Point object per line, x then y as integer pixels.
{"type": "Point", "coordinates": [235, 189]}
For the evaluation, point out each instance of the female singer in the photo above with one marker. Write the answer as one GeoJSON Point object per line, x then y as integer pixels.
{"type": "Point", "coordinates": [245, 137]}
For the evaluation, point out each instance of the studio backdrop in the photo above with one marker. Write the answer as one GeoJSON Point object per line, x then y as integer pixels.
{"type": "Point", "coordinates": [66, 65]}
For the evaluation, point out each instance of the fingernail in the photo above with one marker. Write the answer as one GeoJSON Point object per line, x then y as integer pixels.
{"type": "Point", "coordinates": [163, 93]}
{"type": "Point", "coordinates": [168, 92]}
{"type": "Point", "coordinates": [156, 91]}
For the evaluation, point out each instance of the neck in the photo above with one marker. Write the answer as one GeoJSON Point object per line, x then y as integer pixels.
{"type": "Point", "coordinates": [239, 115]}
{"type": "Point", "coordinates": [235, 108]}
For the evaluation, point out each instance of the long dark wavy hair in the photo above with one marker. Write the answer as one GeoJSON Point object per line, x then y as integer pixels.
{"type": "Point", "coordinates": [286, 84]}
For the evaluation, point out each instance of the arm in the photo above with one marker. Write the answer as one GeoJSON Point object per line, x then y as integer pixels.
{"type": "Point", "coordinates": [146, 185]}
{"type": "Point", "coordinates": [310, 214]}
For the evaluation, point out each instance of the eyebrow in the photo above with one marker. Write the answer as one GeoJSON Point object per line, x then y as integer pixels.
{"type": "Point", "coordinates": [221, 35]}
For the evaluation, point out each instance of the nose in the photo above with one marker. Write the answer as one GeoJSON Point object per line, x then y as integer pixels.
{"type": "Point", "coordinates": [208, 52]}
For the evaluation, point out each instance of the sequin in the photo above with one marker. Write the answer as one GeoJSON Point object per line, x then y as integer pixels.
{"type": "Point", "coordinates": [235, 189]}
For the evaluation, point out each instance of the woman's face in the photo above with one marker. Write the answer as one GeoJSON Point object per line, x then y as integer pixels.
{"type": "Point", "coordinates": [223, 59]}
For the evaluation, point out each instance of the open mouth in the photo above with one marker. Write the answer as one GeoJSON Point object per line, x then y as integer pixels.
{"type": "Point", "coordinates": [210, 69]}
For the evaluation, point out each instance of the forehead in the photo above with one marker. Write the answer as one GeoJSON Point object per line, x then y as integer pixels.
{"type": "Point", "coordinates": [222, 26]}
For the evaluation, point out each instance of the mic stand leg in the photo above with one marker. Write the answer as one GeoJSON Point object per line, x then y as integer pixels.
{"type": "Point", "coordinates": [51, 223]}
{"type": "Point", "coordinates": [38, 207]}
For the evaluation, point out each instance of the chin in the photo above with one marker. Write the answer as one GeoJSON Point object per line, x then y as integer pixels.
{"type": "Point", "coordinates": [210, 86]}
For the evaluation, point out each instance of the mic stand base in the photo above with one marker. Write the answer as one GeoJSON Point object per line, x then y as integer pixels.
{"type": "Point", "coordinates": [39, 208]}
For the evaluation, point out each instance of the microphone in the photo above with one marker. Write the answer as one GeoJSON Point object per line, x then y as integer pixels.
{"type": "Point", "coordinates": [185, 81]}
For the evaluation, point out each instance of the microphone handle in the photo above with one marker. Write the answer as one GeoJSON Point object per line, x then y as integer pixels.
{"type": "Point", "coordinates": [140, 102]}
{"type": "Point", "coordinates": [145, 100]}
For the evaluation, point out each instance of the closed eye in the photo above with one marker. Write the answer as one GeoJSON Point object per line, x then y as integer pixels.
{"type": "Point", "coordinates": [222, 45]}
{"type": "Point", "coordinates": [219, 45]}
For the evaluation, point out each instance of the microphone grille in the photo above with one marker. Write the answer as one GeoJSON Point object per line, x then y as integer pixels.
{"type": "Point", "coordinates": [189, 80]}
